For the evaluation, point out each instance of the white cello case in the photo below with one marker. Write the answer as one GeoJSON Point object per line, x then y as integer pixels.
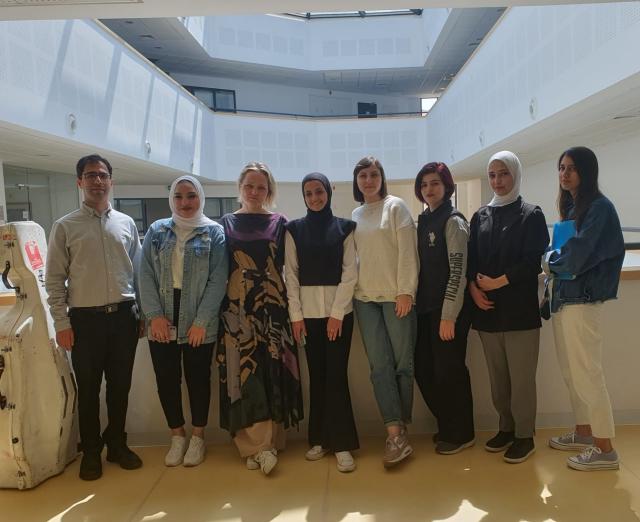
{"type": "Point", "coordinates": [38, 419]}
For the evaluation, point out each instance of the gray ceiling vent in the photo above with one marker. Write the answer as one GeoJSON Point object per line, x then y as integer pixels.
{"type": "Point", "coordinates": [44, 3]}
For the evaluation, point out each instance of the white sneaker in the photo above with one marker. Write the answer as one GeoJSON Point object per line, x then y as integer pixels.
{"type": "Point", "coordinates": [345, 461]}
{"type": "Point", "coordinates": [195, 453]}
{"type": "Point", "coordinates": [176, 452]}
{"type": "Point", "coordinates": [252, 464]}
{"type": "Point", "coordinates": [315, 453]}
{"type": "Point", "coordinates": [267, 461]}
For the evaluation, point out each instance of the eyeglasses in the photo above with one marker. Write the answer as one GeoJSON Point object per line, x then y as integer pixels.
{"type": "Point", "coordinates": [95, 176]}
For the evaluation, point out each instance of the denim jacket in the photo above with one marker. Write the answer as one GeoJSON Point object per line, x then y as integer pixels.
{"type": "Point", "coordinates": [204, 281]}
{"type": "Point", "coordinates": [590, 262]}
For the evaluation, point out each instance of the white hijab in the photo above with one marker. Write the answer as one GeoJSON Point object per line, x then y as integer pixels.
{"type": "Point", "coordinates": [198, 219]}
{"type": "Point", "coordinates": [512, 163]}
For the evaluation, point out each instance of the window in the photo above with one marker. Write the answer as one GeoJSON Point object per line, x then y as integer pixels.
{"type": "Point", "coordinates": [215, 99]}
{"type": "Point", "coordinates": [146, 211]}
{"type": "Point", "coordinates": [426, 104]}
{"type": "Point", "coordinates": [367, 110]}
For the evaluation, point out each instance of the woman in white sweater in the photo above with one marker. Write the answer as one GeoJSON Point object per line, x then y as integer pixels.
{"type": "Point", "coordinates": [384, 297]}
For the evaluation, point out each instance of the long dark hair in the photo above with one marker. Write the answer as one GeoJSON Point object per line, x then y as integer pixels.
{"type": "Point", "coordinates": [587, 169]}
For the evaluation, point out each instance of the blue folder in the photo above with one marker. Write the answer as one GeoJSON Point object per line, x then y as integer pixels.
{"type": "Point", "coordinates": [563, 231]}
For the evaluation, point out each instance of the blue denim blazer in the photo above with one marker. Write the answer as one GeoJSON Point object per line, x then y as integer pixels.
{"type": "Point", "coordinates": [204, 281]}
{"type": "Point", "coordinates": [590, 262]}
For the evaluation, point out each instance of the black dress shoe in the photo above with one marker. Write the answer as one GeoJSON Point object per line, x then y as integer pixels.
{"type": "Point", "coordinates": [124, 456]}
{"type": "Point", "coordinates": [91, 466]}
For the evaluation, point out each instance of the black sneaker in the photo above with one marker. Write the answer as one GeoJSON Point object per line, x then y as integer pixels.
{"type": "Point", "coordinates": [500, 442]}
{"type": "Point", "coordinates": [450, 448]}
{"type": "Point", "coordinates": [520, 450]}
{"type": "Point", "coordinates": [91, 466]}
{"type": "Point", "coordinates": [123, 456]}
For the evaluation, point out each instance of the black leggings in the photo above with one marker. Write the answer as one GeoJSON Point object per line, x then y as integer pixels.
{"type": "Point", "coordinates": [167, 365]}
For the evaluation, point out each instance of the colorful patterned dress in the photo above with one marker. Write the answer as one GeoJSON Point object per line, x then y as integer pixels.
{"type": "Point", "coordinates": [256, 354]}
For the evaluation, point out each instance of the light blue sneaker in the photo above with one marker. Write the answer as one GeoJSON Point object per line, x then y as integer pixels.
{"type": "Point", "coordinates": [594, 459]}
{"type": "Point", "coordinates": [571, 442]}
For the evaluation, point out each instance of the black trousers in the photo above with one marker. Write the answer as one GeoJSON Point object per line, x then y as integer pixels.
{"type": "Point", "coordinates": [442, 375]}
{"type": "Point", "coordinates": [331, 423]}
{"type": "Point", "coordinates": [168, 360]}
{"type": "Point", "coordinates": [104, 344]}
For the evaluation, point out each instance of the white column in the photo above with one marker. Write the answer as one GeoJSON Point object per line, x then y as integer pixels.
{"type": "Point", "coordinates": [3, 196]}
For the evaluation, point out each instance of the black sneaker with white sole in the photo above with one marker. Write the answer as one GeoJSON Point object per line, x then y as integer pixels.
{"type": "Point", "coordinates": [500, 442]}
{"type": "Point", "coordinates": [519, 451]}
{"type": "Point", "coordinates": [451, 448]}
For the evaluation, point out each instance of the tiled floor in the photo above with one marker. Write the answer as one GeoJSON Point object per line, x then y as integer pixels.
{"type": "Point", "coordinates": [471, 486]}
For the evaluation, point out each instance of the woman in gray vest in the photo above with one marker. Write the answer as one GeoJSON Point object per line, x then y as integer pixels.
{"type": "Point", "coordinates": [443, 317]}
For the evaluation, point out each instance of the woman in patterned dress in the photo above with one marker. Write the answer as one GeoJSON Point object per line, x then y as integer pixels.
{"type": "Point", "coordinates": [260, 394]}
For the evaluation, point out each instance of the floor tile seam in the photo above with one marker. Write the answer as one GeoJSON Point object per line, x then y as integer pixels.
{"type": "Point", "coordinates": [627, 468]}
{"type": "Point", "coordinates": [325, 495]}
{"type": "Point", "coordinates": [147, 496]}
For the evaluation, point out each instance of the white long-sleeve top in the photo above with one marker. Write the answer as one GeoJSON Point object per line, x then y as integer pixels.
{"type": "Point", "coordinates": [386, 246]}
{"type": "Point", "coordinates": [177, 259]}
{"type": "Point", "coordinates": [316, 302]}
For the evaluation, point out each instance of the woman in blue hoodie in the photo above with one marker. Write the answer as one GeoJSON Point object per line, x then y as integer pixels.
{"type": "Point", "coordinates": [585, 272]}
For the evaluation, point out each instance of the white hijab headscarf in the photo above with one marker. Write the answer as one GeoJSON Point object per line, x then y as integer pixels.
{"type": "Point", "coordinates": [198, 219]}
{"type": "Point", "coordinates": [512, 163]}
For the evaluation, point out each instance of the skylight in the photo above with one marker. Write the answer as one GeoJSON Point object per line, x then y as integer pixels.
{"type": "Point", "coordinates": [317, 15]}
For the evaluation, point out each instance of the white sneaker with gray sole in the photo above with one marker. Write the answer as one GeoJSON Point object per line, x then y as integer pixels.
{"type": "Point", "coordinates": [196, 452]}
{"type": "Point", "coordinates": [176, 452]}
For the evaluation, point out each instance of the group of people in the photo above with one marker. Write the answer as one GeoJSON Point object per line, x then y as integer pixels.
{"type": "Point", "coordinates": [253, 290]}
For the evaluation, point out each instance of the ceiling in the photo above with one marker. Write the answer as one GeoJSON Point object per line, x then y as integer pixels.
{"type": "Point", "coordinates": [168, 44]}
{"type": "Point", "coordinates": [30, 149]}
{"type": "Point", "coordinates": [73, 9]}
{"type": "Point", "coordinates": [589, 121]}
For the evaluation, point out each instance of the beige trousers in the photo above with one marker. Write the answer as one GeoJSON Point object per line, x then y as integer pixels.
{"type": "Point", "coordinates": [577, 329]}
{"type": "Point", "coordinates": [259, 437]}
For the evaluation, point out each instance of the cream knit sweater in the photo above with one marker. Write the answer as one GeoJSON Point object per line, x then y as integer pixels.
{"type": "Point", "coordinates": [386, 245]}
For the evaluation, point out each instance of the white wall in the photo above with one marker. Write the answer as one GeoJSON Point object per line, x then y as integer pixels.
{"type": "Point", "coordinates": [269, 97]}
{"type": "Point", "coordinates": [329, 44]}
{"type": "Point", "coordinates": [555, 56]}
{"type": "Point", "coordinates": [293, 148]}
{"type": "Point", "coordinates": [617, 161]}
{"type": "Point", "coordinates": [53, 70]}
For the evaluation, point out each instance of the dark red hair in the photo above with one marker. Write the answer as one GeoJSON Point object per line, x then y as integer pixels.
{"type": "Point", "coordinates": [441, 170]}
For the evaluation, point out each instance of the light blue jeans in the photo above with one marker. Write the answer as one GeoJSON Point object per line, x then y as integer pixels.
{"type": "Point", "coordinates": [390, 344]}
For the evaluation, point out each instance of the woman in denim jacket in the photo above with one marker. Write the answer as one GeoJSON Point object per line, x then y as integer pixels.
{"type": "Point", "coordinates": [586, 272]}
{"type": "Point", "coordinates": [183, 276]}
